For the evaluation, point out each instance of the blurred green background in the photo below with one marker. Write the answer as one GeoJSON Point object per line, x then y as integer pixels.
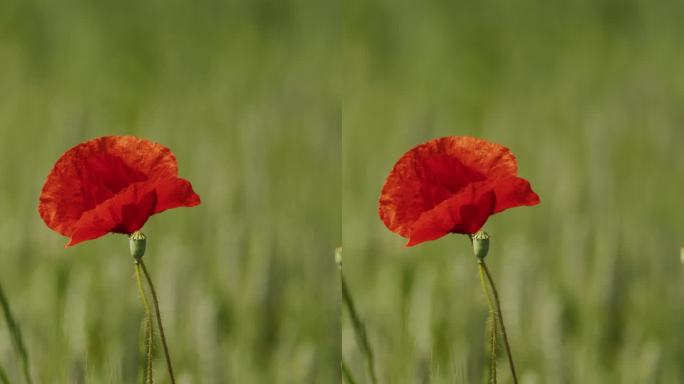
{"type": "Point", "coordinates": [243, 93]}
{"type": "Point", "coordinates": [589, 95]}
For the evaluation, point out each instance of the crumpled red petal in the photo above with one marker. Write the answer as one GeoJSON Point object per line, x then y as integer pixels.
{"type": "Point", "coordinates": [451, 185]}
{"type": "Point", "coordinates": [111, 184]}
{"type": "Point", "coordinates": [465, 212]}
{"type": "Point", "coordinates": [513, 192]}
{"type": "Point", "coordinates": [174, 193]}
{"type": "Point", "coordinates": [127, 212]}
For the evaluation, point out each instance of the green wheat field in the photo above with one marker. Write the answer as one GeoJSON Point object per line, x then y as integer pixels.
{"type": "Point", "coordinates": [287, 116]}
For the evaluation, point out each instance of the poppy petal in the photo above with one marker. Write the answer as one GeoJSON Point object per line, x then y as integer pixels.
{"type": "Point", "coordinates": [465, 213]}
{"type": "Point", "coordinates": [174, 193]}
{"type": "Point", "coordinates": [127, 212]}
{"type": "Point", "coordinates": [130, 209]}
{"type": "Point", "coordinates": [94, 171]}
{"type": "Point", "coordinates": [490, 159]}
{"type": "Point", "coordinates": [451, 185]}
{"type": "Point", "coordinates": [434, 171]}
{"type": "Point", "coordinates": [514, 192]}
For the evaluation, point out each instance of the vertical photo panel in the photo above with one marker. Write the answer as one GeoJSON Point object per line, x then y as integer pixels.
{"type": "Point", "coordinates": [518, 165]}
{"type": "Point", "coordinates": [169, 166]}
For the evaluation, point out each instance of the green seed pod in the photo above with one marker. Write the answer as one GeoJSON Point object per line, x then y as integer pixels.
{"type": "Point", "coordinates": [480, 244]}
{"type": "Point", "coordinates": [138, 242]}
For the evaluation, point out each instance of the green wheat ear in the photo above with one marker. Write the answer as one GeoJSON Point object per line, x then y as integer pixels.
{"type": "Point", "coordinates": [17, 340]}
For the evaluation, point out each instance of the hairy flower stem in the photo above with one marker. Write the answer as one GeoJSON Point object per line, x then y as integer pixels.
{"type": "Point", "coordinates": [359, 328]}
{"type": "Point", "coordinates": [501, 320]}
{"type": "Point", "coordinates": [148, 376]}
{"type": "Point", "coordinates": [167, 355]}
{"type": "Point", "coordinates": [492, 325]}
{"type": "Point", "coordinates": [15, 335]}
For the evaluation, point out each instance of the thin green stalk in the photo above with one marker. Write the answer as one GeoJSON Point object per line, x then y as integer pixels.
{"type": "Point", "coordinates": [15, 333]}
{"type": "Point", "coordinates": [3, 376]}
{"type": "Point", "coordinates": [492, 325]}
{"type": "Point", "coordinates": [346, 373]}
{"type": "Point", "coordinates": [501, 321]}
{"type": "Point", "coordinates": [167, 355]}
{"type": "Point", "coordinates": [493, 335]}
{"type": "Point", "coordinates": [359, 328]}
{"type": "Point", "coordinates": [148, 375]}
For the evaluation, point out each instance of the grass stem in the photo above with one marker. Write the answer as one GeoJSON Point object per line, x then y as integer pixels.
{"type": "Point", "coordinates": [167, 355]}
{"type": "Point", "coordinates": [15, 334]}
{"type": "Point", "coordinates": [346, 374]}
{"type": "Point", "coordinates": [359, 328]}
{"type": "Point", "coordinates": [3, 376]}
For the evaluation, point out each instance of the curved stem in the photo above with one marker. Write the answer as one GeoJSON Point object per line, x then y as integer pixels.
{"type": "Point", "coordinates": [167, 355]}
{"type": "Point", "coordinates": [359, 330]}
{"type": "Point", "coordinates": [501, 320]}
{"type": "Point", "coordinates": [15, 334]}
{"type": "Point", "coordinates": [492, 326]}
{"type": "Point", "coordinates": [148, 376]}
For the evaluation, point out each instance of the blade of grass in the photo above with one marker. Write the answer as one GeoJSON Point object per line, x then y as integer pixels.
{"type": "Point", "coordinates": [346, 373]}
{"type": "Point", "coordinates": [15, 333]}
{"type": "Point", "coordinates": [3, 376]}
{"type": "Point", "coordinates": [359, 328]}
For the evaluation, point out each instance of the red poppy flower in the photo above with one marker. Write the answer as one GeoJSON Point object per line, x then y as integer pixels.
{"type": "Point", "coordinates": [111, 184]}
{"type": "Point", "coordinates": [451, 185]}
